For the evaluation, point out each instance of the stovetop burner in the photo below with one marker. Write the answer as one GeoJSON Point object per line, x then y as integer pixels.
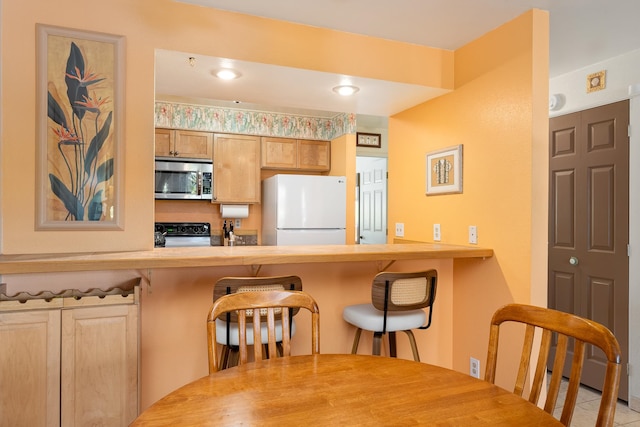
{"type": "Point", "coordinates": [184, 234]}
{"type": "Point", "coordinates": [184, 229]}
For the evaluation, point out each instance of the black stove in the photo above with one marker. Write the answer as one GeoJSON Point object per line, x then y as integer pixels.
{"type": "Point", "coordinates": [184, 234]}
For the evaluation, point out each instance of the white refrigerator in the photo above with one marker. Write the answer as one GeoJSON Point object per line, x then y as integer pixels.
{"type": "Point", "coordinates": [304, 210]}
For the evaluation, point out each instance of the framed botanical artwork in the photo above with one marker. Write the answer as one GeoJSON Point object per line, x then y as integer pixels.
{"type": "Point", "coordinates": [80, 98]}
{"type": "Point", "coordinates": [368, 140]}
{"type": "Point", "coordinates": [444, 171]}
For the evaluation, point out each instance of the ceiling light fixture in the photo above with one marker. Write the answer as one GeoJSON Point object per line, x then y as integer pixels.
{"type": "Point", "coordinates": [227, 74]}
{"type": "Point", "coordinates": [346, 90]}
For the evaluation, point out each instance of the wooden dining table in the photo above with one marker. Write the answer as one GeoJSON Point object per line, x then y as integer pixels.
{"type": "Point", "coordinates": [341, 389]}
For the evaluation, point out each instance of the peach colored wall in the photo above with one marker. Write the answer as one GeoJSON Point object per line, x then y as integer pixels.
{"type": "Point", "coordinates": [492, 111]}
{"type": "Point", "coordinates": [165, 24]}
{"type": "Point", "coordinates": [498, 111]}
{"type": "Point", "coordinates": [343, 163]}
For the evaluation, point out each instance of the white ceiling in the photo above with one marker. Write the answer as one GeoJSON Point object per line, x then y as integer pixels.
{"type": "Point", "coordinates": [582, 32]}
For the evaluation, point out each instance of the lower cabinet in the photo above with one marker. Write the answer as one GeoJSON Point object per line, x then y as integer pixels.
{"type": "Point", "coordinates": [73, 364]}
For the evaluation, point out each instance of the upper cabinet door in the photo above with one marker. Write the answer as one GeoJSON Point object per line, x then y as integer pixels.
{"type": "Point", "coordinates": [193, 144]}
{"type": "Point", "coordinates": [164, 141]}
{"type": "Point", "coordinates": [296, 154]}
{"type": "Point", "coordinates": [279, 153]}
{"type": "Point", "coordinates": [236, 169]}
{"type": "Point", "coordinates": [314, 155]}
{"type": "Point", "coordinates": [183, 144]}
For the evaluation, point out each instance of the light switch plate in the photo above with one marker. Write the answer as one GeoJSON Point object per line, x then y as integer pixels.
{"type": "Point", "coordinates": [399, 229]}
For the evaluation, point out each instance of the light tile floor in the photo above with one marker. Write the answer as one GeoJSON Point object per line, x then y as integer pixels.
{"type": "Point", "coordinates": [586, 410]}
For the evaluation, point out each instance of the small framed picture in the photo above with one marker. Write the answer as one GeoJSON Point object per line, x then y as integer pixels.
{"type": "Point", "coordinates": [444, 171]}
{"type": "Point", "coordinates": [368, 139]}
{"type": "Point", "coordinates": [596, 81]}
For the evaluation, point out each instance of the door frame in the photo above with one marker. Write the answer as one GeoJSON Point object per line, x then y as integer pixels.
{"type": "Point", "coordinates": [634, 252]}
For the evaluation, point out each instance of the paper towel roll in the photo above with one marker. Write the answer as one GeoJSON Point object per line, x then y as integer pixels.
{"type": "Point", "coordinates": [234, 211]}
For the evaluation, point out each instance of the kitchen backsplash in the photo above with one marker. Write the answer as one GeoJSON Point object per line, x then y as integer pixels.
{"type": "Point", "coordinates": [242, 237]}
{"type": "Point", "coordinates": [215, 119]}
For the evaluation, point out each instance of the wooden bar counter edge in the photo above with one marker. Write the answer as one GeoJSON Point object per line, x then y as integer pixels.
{"type": "Point", "coordinates": [232, 256]}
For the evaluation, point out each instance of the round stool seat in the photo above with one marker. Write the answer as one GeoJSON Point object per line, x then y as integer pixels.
{"type": "Point", "coordinates": [234, 334]}
{"type": "Point", "coordinates": [367, 317]}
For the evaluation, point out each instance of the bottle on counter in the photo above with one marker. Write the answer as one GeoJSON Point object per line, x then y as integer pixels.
{"type": "Point", "coordinates": [225, 234]}
{"type": "Point", "coordinates": [232, 236]}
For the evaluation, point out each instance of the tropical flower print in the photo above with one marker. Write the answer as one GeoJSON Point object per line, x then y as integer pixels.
{"type": "Point", "coordinates": [82, 128]}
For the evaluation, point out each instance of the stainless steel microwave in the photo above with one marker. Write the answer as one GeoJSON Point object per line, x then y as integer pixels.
{"type": "Point", "coordinates": [183, 179]}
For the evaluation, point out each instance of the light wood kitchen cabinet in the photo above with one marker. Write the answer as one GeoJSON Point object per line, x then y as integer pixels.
{"type": "Point", "coordinates": [314, 155]}
{"type": "Point", "coordinates": [74, 364]}
{"type": "Point", "coordinates": [295, 154]}
{"type": "Point", "coordinates": [183, 144]}
{"type": "Point", "coordinates": [30, 368]}
{"type": "Point", "coordinates": [236, 169]}
{"type": "Point", "coordinates": [99, 365]}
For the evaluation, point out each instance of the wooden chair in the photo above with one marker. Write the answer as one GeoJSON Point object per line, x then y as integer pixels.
{"type": "Point", "coordinates": [267, 304]}
{"type": "Point", "coordinates": [397, 304]}
{"type": "Point", "coordinates": [564, 326]}
{"type": "Point", "coordinates": [227, 328]}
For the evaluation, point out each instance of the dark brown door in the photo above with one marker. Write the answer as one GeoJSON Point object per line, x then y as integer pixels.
{"type": "Point", "coordinates": [589, 225]}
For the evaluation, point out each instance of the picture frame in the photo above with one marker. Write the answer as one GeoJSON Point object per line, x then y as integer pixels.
{"type": "Point", "coordinates": [80, 111]}
{"type": "Point", "coordinates": [368, 139]}
{"type": "Point", "coordinates": [596, 81]}
{"type": "Point", "coordinates": [444, 171]}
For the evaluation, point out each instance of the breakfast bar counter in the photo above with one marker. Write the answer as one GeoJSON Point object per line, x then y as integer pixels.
{"type": "Point", "coordinates": [217, 256]}
{"type": "Point", "coordinates": [176, 290]}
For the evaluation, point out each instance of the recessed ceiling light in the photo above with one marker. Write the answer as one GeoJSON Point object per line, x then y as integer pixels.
{"type": "Point", "coordinates": [227, 74]}
{"type": "Point", "coordinates": [346, 90]}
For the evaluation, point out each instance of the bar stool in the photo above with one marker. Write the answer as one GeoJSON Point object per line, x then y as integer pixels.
{"type": "Point", "coordinates": [397, 304]}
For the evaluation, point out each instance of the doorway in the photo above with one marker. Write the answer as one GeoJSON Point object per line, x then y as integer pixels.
{"type": "Point", "coordinates": [371, 200]}
{"type": "Point", "coordinates": [589, 225]}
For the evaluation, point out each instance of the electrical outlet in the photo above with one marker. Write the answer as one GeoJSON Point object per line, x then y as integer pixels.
{"type": "Point", "coordinates": [436, 232]}
{"type": "Point", "coordinates": [474, 367]}
{"type": "Point", "coordinates": [238, 223]}
{"type": "Point", "coordinates": [399, 229]}
{"type": "Point", "coordinates": [473, 234]}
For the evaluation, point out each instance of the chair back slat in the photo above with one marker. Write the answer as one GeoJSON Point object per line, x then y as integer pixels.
{"type": "Point", "coordinates": [242, 330]}
{"type": "Point", "coordinates": [563, 326]}
{"type": "Point", "coordinates": [271, 332]}
{"type": "Point", "coordinates": [574, 382]}
{"type": "Point", "coordinates": [541, 367]}
{"type": "Point", "coordinates": [286, 340]}
{"type": "Point", "coordinates": [283, 301]}
{"type": "Point", "coordinates": [525, 360]}
{"type": "Point", "coordinates": [556, 374]}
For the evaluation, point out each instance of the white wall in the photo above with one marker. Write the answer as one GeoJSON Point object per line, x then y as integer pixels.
{"type": "Point", "coordinates": [622, 72]}
{"type": "Point", "coordinates": [374, 124]}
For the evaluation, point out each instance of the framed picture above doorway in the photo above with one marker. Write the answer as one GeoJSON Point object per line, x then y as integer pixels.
{"type": "Point", "coordinates": [368, 140]}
